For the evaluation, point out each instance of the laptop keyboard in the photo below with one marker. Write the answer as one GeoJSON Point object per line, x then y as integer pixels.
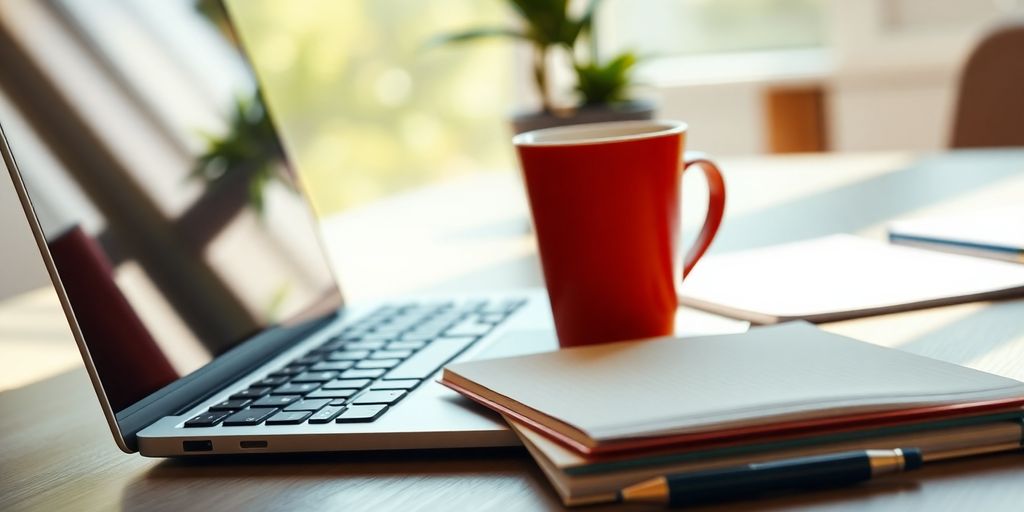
{"type": "Point", "coordinates": [369, 366]}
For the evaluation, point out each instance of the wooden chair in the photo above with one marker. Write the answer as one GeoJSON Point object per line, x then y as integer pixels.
{"type": "Point", "coordinates": [990, 107]}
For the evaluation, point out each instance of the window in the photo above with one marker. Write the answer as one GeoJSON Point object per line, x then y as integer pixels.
{"type": "Point", "coordinates": [367, 107]}
{"type": "Point", "coordinates": [677, 27]}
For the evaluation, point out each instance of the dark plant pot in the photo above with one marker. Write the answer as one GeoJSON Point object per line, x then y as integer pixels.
{"type": "Point", "coordinates": [636, 110]}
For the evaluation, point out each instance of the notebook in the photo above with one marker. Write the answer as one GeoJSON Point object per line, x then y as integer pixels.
{"type": "Point", "coordinates": [640, 395]}
{"type": "Point", "coordinates": [996, 233]}
{"type": "Point", "coordinates": [840, 277]}
{"type": "Point", "coordinates": [579, 482]}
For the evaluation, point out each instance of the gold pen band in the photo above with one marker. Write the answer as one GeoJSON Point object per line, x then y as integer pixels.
{"type": "Point", "coordinates": [884, 462]}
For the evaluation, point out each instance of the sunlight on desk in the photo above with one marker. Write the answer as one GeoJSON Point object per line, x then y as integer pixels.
{"type": "Point", "coordinates": [35, 340]}
{"type": "Point", "coordinates": [987, 336]}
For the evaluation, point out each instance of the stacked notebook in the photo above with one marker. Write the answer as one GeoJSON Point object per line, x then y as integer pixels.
{"type": "Point", "coordinates": [603, 417]}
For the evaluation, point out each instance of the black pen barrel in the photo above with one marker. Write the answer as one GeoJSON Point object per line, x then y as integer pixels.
{"type": "Point", "coordinates": [825, 471]}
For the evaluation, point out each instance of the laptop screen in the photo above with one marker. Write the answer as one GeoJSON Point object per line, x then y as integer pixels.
{"type": "Point", "coordinates": [174, 222]}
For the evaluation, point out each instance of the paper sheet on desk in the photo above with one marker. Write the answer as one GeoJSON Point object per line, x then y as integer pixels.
{"type": "Point", "coordinates": [842, 276]}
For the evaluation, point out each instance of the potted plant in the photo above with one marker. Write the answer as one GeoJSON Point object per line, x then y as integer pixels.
{"type": "Point", "coordinates": [602, 87]}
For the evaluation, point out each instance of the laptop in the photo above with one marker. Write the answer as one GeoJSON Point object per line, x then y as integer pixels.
{"type": "Point", "coordinates": [195, 284]}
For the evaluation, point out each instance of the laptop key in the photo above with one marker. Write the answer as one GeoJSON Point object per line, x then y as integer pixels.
{"type": "Point", "coordinates": [471, 326]}
{"type": "Point", "coordinates": [206, 419]}
{"type": "Point", "coordinates": [378, 363]}
{"type": "Point", "coordinates": [274, 401]}
{"type": "Point", "coordinates": [417, 336]}
{"type": "Point", "coordinates": [376, 336]}
{"type": "Point", "coordinates": [253, 392]}
{"type": "Point", "coordinates": [424, 363]}
{"type": "Point", "coordinates": [362, 374]}
{"type": "Point", "coordinates": [295, 388]}
{"type": "Point", "coordinates": [288, 418]}
{"type": "Point", "coordinates": [314, 376]}
{"type": "Point", "coordinates": [308, 405]}
{"type": "Point", "coordinates": [327, 414]}
{"type": "Point", "coordinates": [357, 331]}
{"type": "Point", "coordinates": [364, 345]}
{"type": "Point", "coordinates": [397, 325]}
{"type": "Point", "coordinates": [247, 417]}
{"type": "Point", "coordinates": [493, 318]}
{"type": "Point", "coordinates": [404, 345]}
{"type": "Point", "coordinates": [448, 316]}
{"type": "Point", "coordinates": [341, 394]}
{"type": "Point", "coordinates": [391, 354]}
{"type": "Point", "coordinates": [380, 397]}
{"type": "Point", "coordinates": [309, 359]}
{"type": "Point", "coordinates": [231, 405]}
{"type": "Point", "coordinates": [335, 366]}
{"type": "Point", "coordinates": [361, 413]}
{"type": "Point", "coordinates": [294, 369]}
{"type": "Point", "coordinates": [347, 384]}
{"type": "Point", "coordinates": [396, 384]}
{"type": "Point", "coordinates": [348, 355]}
{"type": "Point", "coordinates": [271, 382]}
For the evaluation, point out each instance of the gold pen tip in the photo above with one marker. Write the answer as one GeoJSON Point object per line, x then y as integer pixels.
{"type": "Point", "coordinates": [654, 490]}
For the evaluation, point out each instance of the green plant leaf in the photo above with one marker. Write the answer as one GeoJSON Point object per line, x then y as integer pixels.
{"type": "Point", "coordinates": [607, 83]}
{"type": "Point", "coordinates": [477, 33]}
{"type": "Point", "coordinates": [546, 20]}
{"type": "Point", "coordinates": [547, 23]}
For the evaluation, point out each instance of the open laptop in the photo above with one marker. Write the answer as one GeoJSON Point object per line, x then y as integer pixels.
{"type": "Point", "coordinates": [195, 284]}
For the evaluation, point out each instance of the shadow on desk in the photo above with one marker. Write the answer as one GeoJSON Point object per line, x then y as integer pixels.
{"type": "Point", "coordinates": [498, 479]}
{"type": "Point", "coordinates": [383, 463]}
{"type": "Point", "coordinates": [475, 479]}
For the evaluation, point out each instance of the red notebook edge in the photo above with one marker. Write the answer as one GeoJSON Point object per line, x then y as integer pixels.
{"type": "Point", "coordinates": [548, 432]}
{"type": "Point", "coordinates": [816, 425]}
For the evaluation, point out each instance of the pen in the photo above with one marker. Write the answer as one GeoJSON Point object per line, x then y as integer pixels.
{"type": "Point", "coordinates": [815, 472]}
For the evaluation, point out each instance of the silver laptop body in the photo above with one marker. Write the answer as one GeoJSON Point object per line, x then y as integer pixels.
{"type": "Point", "coordinates": [193, 281]}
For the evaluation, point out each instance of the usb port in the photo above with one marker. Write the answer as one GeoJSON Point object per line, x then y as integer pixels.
{"type": "Point", "coordinates": [197, 446]}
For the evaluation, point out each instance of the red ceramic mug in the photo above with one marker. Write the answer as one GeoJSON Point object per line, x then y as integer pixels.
{"type": "Point", "coordinates": [605, 199]}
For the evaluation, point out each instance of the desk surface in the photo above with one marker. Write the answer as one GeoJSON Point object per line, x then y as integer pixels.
{"type": "Point", "coordinates": [56, 452]}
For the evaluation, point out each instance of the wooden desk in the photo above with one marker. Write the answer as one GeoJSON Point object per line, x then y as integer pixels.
{"type": "Point", "coordinates": [56, 452]}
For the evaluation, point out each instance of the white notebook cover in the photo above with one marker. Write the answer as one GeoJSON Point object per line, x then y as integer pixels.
{"type": "Point", "coordinates": [769, 375]}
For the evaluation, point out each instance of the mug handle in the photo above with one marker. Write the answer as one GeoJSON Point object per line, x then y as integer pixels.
{"type": "Point", "coordinates": [716, 206]}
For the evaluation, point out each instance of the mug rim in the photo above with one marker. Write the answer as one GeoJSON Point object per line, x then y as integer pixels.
{"type": "Point", "coordinates": [599, 133]}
